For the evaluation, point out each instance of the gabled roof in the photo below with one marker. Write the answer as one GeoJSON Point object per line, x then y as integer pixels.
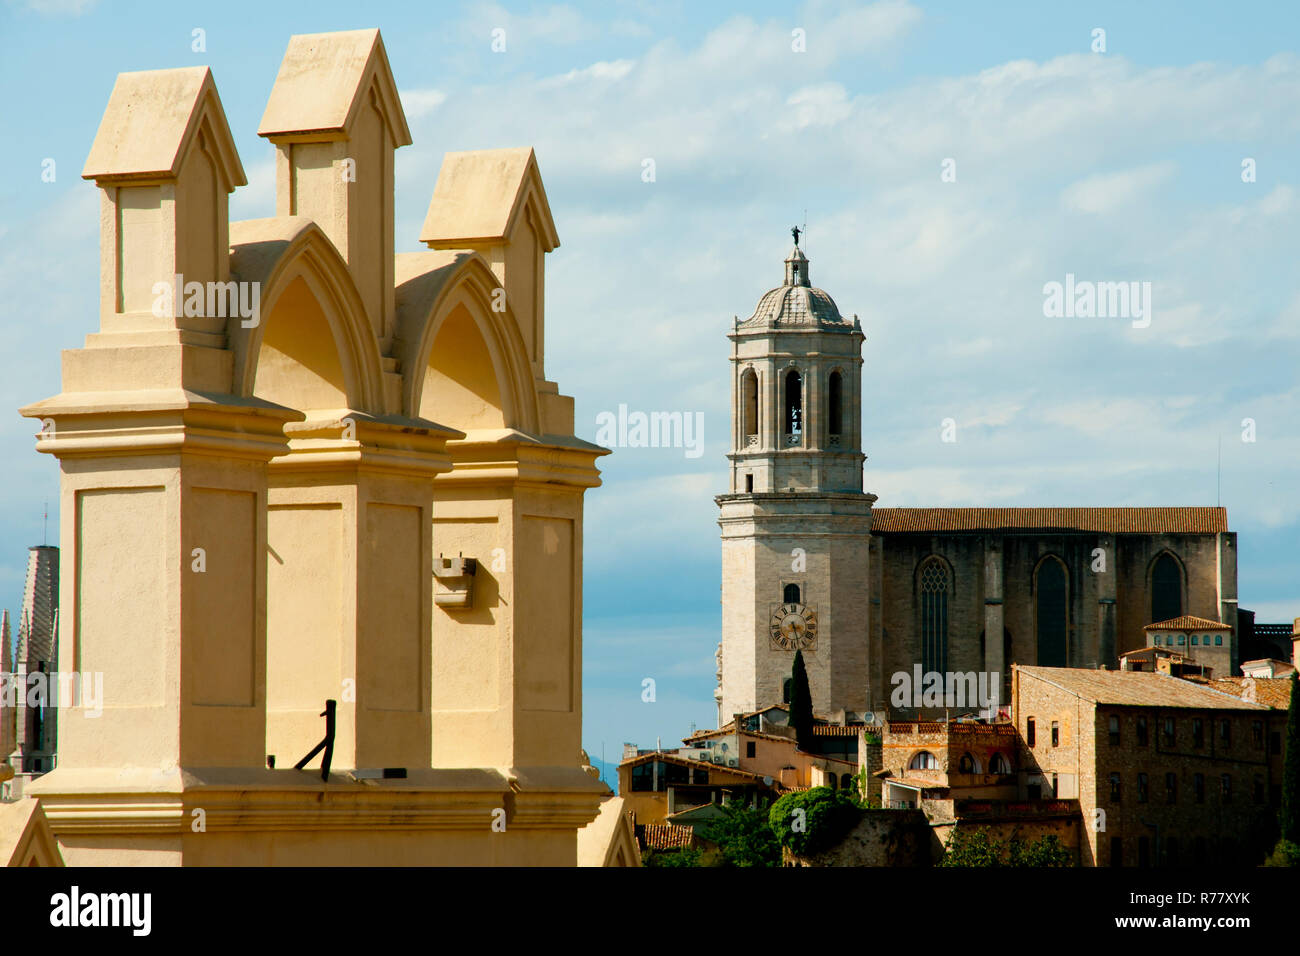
{"type": "Point", "coordinates": [686, 762]}
{"type": "Point", "coordinates": [151, 119]}
{"type": "Point", "coordinates": [1098, 520]}
{"type": "Point", "coordinates": [480, 195]}
{"type": "Point", "coordinates": [322, 86]}
{"type": "Point", "coordinates": [665, 836]}
{"type": "Point", "coordinates": [1188, 623]}
{"type": "Point", "coordinates": [1135, 688]}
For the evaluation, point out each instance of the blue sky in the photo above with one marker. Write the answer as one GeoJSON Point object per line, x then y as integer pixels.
{"type": "Point", "coordinates": [1115, 166]}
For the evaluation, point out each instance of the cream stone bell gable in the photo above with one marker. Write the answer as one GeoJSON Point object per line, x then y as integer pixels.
{"type": "Point", "coordinates": [267, 481]}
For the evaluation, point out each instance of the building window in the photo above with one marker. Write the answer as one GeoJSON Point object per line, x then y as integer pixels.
{"type": "Point", "coordinates": [1257, 733]}
{"type": "Point", "coordinates": [1226, 781]}
{"type": "Point", "coordinates": [1114, 730]}
{"type": "Point", "coordinates": [924, 761]}
{"type": "Point", "coordinates": [1116, 851]}
{"type": "Point", "coordinates": [1225, 733]}
{"type": "Point", "coordinates": [1198, 787]}
{"type": "Point", "coordinates": [1198, 732]}
{"type": "Point", "coordinates": [749, 483]}
{"type": "Point", "coordinates": [790, 594]}
{"type": "Point", "coordinates": [1142, 788]}
{"type": "Point", "coordinates": [1194, 640]}
{"type": "Point", "coordinates": [967, 764]}
{"type": "Point", "coordinates": [785, 689]}
{"type": "Point", "coordinates": [835, 407]}
{"type": "Point", "coordinates": [1114, 788]}
{"type": "Point", "coordinates": [1050, 611]}
{"type": "Point", "coordinates": [1156, 640]}
{"type": "Point", "coordinates": [1218, 640]}
{"type": "Point", "coordinates": [1170, 734]}
{"type": "Point", "coordinates": [846, 781]}
{"type": "Point", "coordinates": [1029, 732]}
{"type": "Point", "coordinates": [933, 584]}
{"type": "Point", "coordinates": [1182, 639]}
{"type": "Point", "coordinates": [998, 764]}
{"type": "Point", "coordinates": [1142, 731]}
{"type": "Point", "coordinates": [1171, 788]}
{"type": "Point", "coordinates": [751, 749]}
{"type": "Point", "coordinates": [1035, 791]}
{"type": "Point", "coordinates": [749, 405]}
{"type": "Point", "coordinates": [794, 407]}
{"type": "Point", "coordinates": [1166, 589]}
{"type": "Point", "coordinates": [1056, 733]}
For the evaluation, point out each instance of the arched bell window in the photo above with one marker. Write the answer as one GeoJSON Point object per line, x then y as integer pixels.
{"type": "Point", "coordinates": [791, 594]}
{"type": "Point", "coordinates": [835, 407]}
{"type": "Point", "coordinates": [793, 407]}
{"type": "Point", "coordinates": [749, 406]}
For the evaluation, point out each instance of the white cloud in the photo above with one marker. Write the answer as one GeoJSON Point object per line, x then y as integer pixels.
{"type": "Point", "coordinates": [418, 104]}
{"type": "Point", "coordinates": [1108, 192]}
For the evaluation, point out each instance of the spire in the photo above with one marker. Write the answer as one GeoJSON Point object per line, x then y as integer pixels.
{"type": "Point", "coordinates": [796, 263]}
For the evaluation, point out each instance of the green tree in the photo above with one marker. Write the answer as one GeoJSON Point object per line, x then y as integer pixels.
{"type": "Point", "coordinates": [801, 709]}
{"type": "Point", "coordinates": [743, 838]}
{"type": "Point", "coordinates": [813, 820]}
{"type": "Point", "coordinates": [978, 848]}
{"type": "Point", "coordinates": [1288, 817]}
{"type": "Point", "coordinates": [686, 856]}
{"type": "Point", "coordinates": [1287, 851]}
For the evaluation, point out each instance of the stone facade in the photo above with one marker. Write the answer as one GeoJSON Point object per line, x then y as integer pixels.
{"type": "Point", "coordinates": [1180, 812]}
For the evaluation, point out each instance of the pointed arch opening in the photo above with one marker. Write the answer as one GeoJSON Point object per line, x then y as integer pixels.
{"type": "Point", "coordinates": [298, 362]}
{"type": "Point", "coordinates": [933, 587]}
{"type": "Point", "coordinates": [460, 381]}
{"type": "Point", "coordinates": [1166, 588]}
{"type": "Point", "coordinates": [1051, 612]}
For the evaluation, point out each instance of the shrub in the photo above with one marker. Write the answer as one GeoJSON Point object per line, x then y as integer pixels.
{"type": "Point", "coordinates": [827, 815]}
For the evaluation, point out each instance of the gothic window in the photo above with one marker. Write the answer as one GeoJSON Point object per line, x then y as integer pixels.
{"type": "Point", "coordinates": [749, 406]}
{"type": "Point", "coordinates": [834, 406]}
{"type": "Point", "coordinates": [1050, 611]}
{"type": "Point", "coordinates": [1166, 589]}
{"type": "Point", "coordinates": [791, 595]}
{"type": "Point", "coordinates": [924, 761]}
{"type": "Point", "coordinates": [933, 587]}
{"type": "Point", "coordinates": [793, 407]}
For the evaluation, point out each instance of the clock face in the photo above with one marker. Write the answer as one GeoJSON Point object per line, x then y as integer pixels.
{"type": "Point", "coordinates": [793, 626]}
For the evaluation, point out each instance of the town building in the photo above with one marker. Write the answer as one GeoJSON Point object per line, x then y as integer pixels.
{"type": "Point", "coordinates": [868, 593]}
{"type": "Point", "coordinates": [1195, 639]}
{"type": "Point", "coordinates": [1166, 772]}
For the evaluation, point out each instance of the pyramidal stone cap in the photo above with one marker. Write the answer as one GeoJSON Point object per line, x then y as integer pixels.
{"type": "Point", "coordinates": [321, 88]}
{"type": "Point", "coordinates": [152, 118]}
{"type": "Point", "coordinates": [480, 194]}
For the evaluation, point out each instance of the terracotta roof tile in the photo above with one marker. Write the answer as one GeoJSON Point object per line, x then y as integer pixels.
{"type": "Point", "coordinates": [1188, 623]}
{"type": "Point", "coordinates": [1274, 692]}
{"type": "Point", "coordinates": [667, 836]}
{"type": "Point", "coordinates": [1137, 688]}
{"type": "Point", "coordinates": [1100, 520]}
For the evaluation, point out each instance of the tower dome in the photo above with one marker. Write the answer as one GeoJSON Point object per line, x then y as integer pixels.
{"type": "Point", "coordinates": [796, 302]}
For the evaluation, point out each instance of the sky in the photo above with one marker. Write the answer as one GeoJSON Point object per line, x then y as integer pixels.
{"type": "Point", "coordinates": [949, 159]}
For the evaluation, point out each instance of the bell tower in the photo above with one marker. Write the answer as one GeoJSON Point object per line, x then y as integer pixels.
{"type": "Point", "coordinates": [795, 523]}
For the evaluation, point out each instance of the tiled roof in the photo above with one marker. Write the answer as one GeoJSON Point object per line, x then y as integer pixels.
{"type": "Point", "coordinates": [686, 762]}
{"type": "Point", "coordinates": [1188, 623]}
{"type": "Point", "coordinates": [1272, 692]}
{"type": "Point", "coordinates": [1100, 520]}
{"type": "Point", "coordinates": [667, 836]}
{"type": "Point", "coordinates": [1136, 688]}
{"type": "Point", "coordinates": [835, 730]}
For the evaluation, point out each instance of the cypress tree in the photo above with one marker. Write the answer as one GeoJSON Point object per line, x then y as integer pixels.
{"type": "Point", "coordinates": [1288, 816]}
{"type": "Point", "coordinates": [801, 711]}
